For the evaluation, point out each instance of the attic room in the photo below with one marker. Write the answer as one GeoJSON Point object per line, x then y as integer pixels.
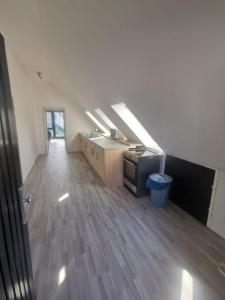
{"type": "Point", "coordinates": [112, 166]}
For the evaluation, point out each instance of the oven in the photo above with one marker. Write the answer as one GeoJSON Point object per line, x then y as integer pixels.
{"type": "Point", "coordinates": [136, 168]}
{"type": "Point", "coordinates": [129, 173]}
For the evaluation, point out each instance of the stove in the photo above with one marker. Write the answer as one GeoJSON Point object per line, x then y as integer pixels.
{"type": "Point", "coordinates": [136, 155]}
{"type": "Point", "coordinates": [138, 163]}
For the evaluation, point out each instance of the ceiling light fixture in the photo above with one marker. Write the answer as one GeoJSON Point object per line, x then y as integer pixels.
{"type": "Point", "coordinates": [39, 74]}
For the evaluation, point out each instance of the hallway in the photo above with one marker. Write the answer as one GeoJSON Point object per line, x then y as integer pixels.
{"type": "Point", "coordinates": [90, 242]}
{"type": "Point", "coordinates": [56, 145]}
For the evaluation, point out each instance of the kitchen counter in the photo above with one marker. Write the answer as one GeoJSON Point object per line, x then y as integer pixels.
{"type": "Point", "coordinates": [106, 143]}
{"type": "Point", "coordinates": [106, 157]}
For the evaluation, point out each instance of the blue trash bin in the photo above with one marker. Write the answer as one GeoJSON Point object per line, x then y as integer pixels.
{"type": "Point", "coordinates": [160, 185]}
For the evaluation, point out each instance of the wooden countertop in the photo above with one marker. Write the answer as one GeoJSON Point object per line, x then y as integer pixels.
{"type": "Point", "coordinates": [106, 143]}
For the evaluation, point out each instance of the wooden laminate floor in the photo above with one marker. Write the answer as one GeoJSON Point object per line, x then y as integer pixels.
{"type": "Point", "coordinates": [56, 145]}
{"type": "Point", "coordinates": [90, 242]}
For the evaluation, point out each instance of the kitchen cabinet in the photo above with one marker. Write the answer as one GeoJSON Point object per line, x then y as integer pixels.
{"type": "Point", "coordinates": [106, 157]}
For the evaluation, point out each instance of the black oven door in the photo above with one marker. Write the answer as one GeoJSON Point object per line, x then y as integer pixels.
{"type": "Point", "coordinates": [130, 170]}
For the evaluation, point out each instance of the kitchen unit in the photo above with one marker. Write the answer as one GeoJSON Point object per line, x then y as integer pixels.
{"type": "Point", "coordinates": [138, 164]}
{"type": "Point", "coordinates": [106, 157]}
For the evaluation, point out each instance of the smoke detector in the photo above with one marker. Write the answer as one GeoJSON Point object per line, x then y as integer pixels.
{"type": "Point", "coordinates": [40, 76]}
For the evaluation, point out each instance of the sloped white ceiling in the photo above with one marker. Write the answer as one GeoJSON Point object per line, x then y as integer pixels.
{"type": "Point", "coordinates": [164, 58]}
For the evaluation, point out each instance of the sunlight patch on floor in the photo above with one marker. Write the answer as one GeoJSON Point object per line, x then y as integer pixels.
{"type": "Point", "coordinates": [63, 197]}
{"type": "Point", "coordinates": [61, 275]}
{"type": "Point", "coordinates": [186, 292]}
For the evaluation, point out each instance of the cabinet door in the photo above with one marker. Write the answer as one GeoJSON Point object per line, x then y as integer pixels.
{"type": "Point", "coordinates": [92, 154]}
{"type": "Point", "coordinates": [81, 144]}
{"type": "Point", "coordinates": [113, 167]}
{"type": "Point", "coordinates": [100, 162]}
{"type": "Point", "coordinates": [86, 148]}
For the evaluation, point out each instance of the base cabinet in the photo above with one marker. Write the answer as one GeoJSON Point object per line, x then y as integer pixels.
{"type": "Point", "coordinates": [108, 163]}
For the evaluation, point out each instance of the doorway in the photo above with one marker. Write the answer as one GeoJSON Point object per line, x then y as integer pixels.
{"type": "Point", "coordinates": [55, 124]}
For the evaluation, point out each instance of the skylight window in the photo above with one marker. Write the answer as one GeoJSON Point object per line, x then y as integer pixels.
{"type": "Point", "coordinates": [135, 126]}
{"type": "Point", "coordinates": [106, 132]}
{"type": "Point", "coordinates": [108, 121]}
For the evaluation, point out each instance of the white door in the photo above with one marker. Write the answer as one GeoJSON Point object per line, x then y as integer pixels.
{"type": "Point", "coordinates": [216, 219]}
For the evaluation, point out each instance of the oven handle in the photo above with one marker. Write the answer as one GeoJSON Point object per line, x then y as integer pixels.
{"type": "Point", "coordinates": [130, 161]}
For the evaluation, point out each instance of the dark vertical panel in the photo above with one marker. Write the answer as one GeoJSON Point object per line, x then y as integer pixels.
{"type": "Point", "coordinates": [192, 186]}
{"type": "Point", "coordinates": [11, 194]}
{"type": "Point", "coordinates": [16, 181]}
{"type": "Point", "coordinates": [15, 240]}
{"type": "Point", "coordinates": [6, 208]}
{"type": "Point", "coordinates": [6, 157]}
{"type": "Point", "coordinates": [10, 113]}
{"type": "Point", "coordinates": [2, 286]}
{"type": "Point", "coordinates": [5, 267]}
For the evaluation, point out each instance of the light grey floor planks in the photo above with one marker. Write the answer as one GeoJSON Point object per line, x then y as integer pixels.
{"type": "Point", "coordinates": [90, 242]}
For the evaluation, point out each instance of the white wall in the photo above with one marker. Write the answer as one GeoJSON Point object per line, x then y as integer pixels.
{"type": "Point", "coordinates": [165, 59]}
{"type": "Point", "coordinates": [29, 98]}
{"type": "Point", "coordinates": [48, 96]}
{"type": "Point", "coordinates": [216, 218]}
{"type": "Point", "coordinates": [23, 95]}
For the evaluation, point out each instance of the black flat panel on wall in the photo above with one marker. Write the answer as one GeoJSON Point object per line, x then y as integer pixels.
{"type": "Point", "coordinates": [16, 281]}
{"type": "Point", "coordinates": [192, 186]}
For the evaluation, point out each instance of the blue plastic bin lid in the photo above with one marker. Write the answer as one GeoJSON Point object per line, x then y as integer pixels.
{"type": "Point", "coordinates": [158, 181]}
